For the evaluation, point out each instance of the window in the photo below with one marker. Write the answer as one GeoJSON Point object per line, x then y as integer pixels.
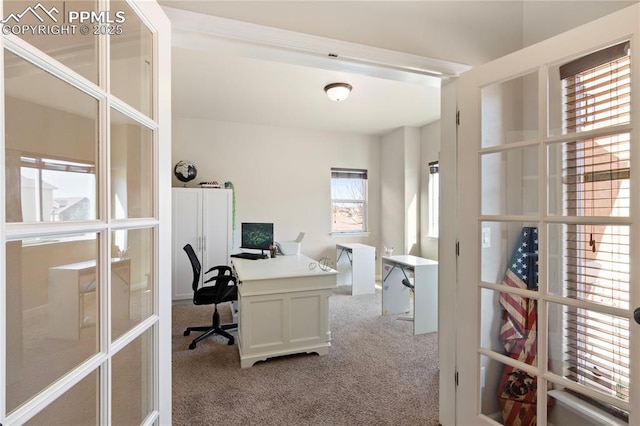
{"type": "Point", "coordinates": [434, 198]}
{"type": "Point", "coordinates": [55, 190]}
{"type": "Point", "coordinates": [596, 172]}
{"type": "Point", "coordinates": [348, 200]}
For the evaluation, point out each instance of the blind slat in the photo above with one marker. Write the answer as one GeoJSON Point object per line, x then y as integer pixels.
{"type": "Point", "coordinates": [595, 176]}
{"type": "Point", "coordinates": [348, 173]}
{"type": "Point", "coordinates": [605, 368]}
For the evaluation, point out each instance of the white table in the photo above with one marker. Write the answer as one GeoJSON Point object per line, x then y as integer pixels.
{"type": "Point", "coordinates": [356, 264]}
{"type": "Point", "coordinates": [283, 307]}
{"type": "Point", "coordinates": [423, 275]}
{"type": "Point", "coordinates": [69, 283]}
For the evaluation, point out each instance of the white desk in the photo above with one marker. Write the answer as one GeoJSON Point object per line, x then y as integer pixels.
{"type": "Point", "coordinates": [356, 264]}
{"type": "Point", "coordinates": [283, 307]}
{"type": "Point", "coordinates": [67, 283]}
{"type": "Point", "coordinates": [423, 274]}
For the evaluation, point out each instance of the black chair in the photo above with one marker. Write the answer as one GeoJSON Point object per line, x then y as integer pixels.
{"type": "Point", "coordinates": [224, 289]}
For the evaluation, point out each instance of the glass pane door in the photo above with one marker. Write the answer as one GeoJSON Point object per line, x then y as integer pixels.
{"type": "Point", "coordinates": [84, 242]}
{"type": "Point", "coordinates": [546, 232]}
{"type": "Point", "coordinates": [509, 249]}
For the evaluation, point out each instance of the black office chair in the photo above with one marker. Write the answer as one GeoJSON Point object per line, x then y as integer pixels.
{"type": "Point", "coordinates": [224, 289]}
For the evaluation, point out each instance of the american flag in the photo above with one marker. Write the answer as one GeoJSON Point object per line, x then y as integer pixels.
{"type": "Point", "coordinates": [518, 333]}
{"type": "Point", "coordinates": [522, 272]}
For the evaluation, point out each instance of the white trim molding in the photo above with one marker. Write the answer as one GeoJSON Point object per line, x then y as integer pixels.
{"type": "Point", "coordinates": [206, 32]}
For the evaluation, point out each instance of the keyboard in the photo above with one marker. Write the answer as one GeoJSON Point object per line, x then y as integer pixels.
{"type": "Point", "coordinates": [251, 256]}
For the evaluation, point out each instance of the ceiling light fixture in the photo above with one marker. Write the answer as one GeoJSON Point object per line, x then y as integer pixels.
{"type": "Point", "coordinates": [338, 91]}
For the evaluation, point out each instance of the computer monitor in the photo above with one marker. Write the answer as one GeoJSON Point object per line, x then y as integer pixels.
{"type": "Point", "coordinates": [257, 236]}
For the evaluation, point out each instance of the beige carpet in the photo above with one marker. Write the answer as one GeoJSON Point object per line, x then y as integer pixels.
{"type": "Point", "coordinates": [377, 373]}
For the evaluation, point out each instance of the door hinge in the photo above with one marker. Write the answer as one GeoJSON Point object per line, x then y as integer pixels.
{"type": "Point", "coordinates": [456, 378]}
{"type": "Point", "coordinates": [457, 118]}
{"type": "Point", "coordinates": [457, 248]}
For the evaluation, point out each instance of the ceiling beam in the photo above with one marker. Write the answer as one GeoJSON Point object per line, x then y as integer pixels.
{"type": "Point", "coordinates": [198, 31]}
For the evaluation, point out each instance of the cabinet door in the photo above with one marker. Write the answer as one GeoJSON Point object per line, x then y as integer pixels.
{"type": "Point", "coordinates": [216, 224]}
{"type": "Point", "coordinates": [187, 229]}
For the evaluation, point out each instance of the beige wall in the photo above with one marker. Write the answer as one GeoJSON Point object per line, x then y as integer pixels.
{"type": "Point", "coordinates": [30, 127]}
{"type": "Point", "coordinates": [412, 171]}
{"type": "Point", "coordinates": [392, 190]}
{"type": "Point", "coordinates": [430, 151]}
{"type": "Point", "coordinates": [400, 189]}
{"type": "Point", "coordinates": [281, 175]}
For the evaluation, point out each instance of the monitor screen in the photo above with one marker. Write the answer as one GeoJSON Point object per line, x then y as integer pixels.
{"type": "Point", "coordinates": [257, 236]}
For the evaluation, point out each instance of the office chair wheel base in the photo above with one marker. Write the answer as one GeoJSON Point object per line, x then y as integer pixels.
{"type": "Point", "coordinates": [186, 333]}
{"type": "Point", "coordinates": [231, 342]}
{"type": "Point", "coordinates": [192, 346]}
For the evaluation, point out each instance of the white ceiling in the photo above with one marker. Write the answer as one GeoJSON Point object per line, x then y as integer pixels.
{"type": "Point", "coordinates": [219, 86]}
{"type": "Point", "coordinates": [241, 86]}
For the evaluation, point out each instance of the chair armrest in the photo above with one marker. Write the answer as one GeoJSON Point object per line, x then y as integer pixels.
{"type": "Point", "coordinates": [221, 270]}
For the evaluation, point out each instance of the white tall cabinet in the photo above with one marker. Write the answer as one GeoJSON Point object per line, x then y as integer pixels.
{"type": "Point", "coordinates": [201, 217]}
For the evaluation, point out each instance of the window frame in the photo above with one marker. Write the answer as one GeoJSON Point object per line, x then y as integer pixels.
{"type": "Point", "coordinates": [39, 163]}
{"type": "Point", "coordinates": [349, 173]}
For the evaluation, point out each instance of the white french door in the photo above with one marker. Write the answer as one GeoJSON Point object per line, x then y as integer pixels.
{"type": "Point", "coordinates": [85, 295]}
{"type": "Point", "coordinates": [548, 147]}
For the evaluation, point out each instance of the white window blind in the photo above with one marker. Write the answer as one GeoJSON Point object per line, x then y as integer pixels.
{"type": "Point", "coordinates": [596, 174]}
{"type": "Point", "coordinates": [434, 199]}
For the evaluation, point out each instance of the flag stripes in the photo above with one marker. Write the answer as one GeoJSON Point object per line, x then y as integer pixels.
{"type": "Point", "coordinates": [517, 392]}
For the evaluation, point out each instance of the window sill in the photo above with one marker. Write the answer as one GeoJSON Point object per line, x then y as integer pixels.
{"type": "Point", "coordinates": [351, 234]}
{"type": "Point", "coordinates": [584, 409]}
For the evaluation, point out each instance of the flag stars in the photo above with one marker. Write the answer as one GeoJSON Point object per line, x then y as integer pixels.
{"type": "Point", "coordinates": [525, 252]}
